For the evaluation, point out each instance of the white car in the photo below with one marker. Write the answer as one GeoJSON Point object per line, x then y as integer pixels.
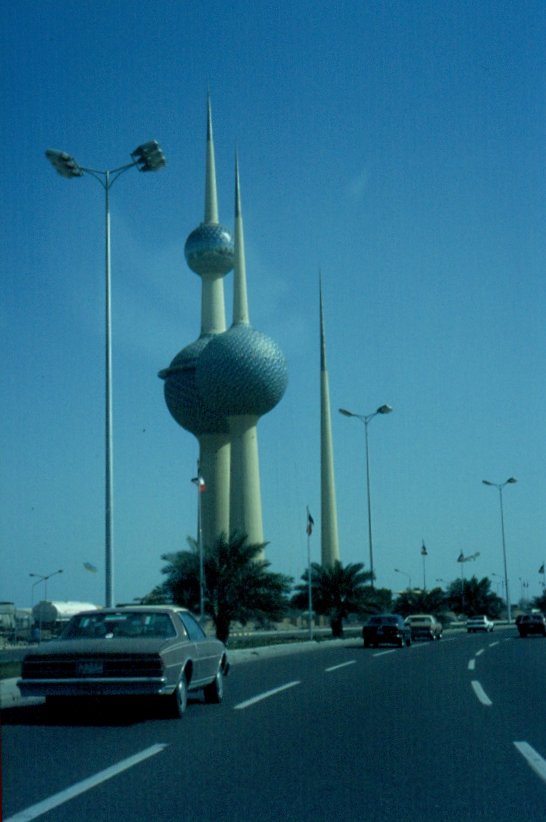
{"type": "Point", "coordinates": [479, 623]}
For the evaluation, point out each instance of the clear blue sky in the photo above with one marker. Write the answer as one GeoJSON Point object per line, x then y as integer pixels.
{"type": "Point", "coordinates": [397, 147]}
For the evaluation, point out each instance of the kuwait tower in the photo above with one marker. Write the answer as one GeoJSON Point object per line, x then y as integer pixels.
{"type": "Point", "coordinates": [242, 374]}
{"type": "Point", "coordinates": [209, 253]}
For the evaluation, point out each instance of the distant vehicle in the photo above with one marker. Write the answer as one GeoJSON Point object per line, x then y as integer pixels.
{"type": "Point", "coordinates": [386, 629]}
{"type": "Point", "coordinates": [531, 624]}
{"type": "Point", "coordinates": [479, 623]}
{"type": "Point", "coordinates": [424, 626]}
{"type": "Point", "coordinates": [128, 651]}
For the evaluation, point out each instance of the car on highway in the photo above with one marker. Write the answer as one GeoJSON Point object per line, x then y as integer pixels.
{"type": "Point", "coordinates": [424, 626]}
{"type": "Point", "coordinates": [531, 624]}
{"type": "Point", "coordinates": [157, 651]}
{"type": "Point", "coordinates": [479, 623]}
{"type": "Point", "coordinates": [386, 629]}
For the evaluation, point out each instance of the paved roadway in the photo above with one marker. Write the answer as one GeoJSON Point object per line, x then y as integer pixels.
{"type": "Point", "coordinates": [451, 731]}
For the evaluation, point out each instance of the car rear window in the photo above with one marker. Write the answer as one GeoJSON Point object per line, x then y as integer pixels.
{"type": "Point", "coordinates": [127, 624]}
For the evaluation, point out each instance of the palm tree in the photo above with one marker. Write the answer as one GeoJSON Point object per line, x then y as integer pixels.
{"type": "Point", "coordinates": [237, 583]}
{"type": "Point", "coordinates": [337, 591]}
{"type": "Point", "coordinates": [473, 597]}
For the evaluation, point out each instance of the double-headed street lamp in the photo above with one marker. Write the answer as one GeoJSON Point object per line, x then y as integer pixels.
{"type": "Point", "coordinates": [365, 418]}
{"type": "Point", "coordinates": [500, 486]}
{"type": "Point", "coordinates": [147, 157]}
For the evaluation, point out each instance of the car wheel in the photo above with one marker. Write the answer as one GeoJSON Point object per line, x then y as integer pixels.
{"type": "Point", "coordinates": [408, 642]}
{"type": "Point", "coordinates": [214, 691]}
{"type": "Point", "coordinates": [401, 642]}
{"type": "Point", "coordinates": [179, 699]}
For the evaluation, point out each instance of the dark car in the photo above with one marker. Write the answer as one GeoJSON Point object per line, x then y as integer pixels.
{"type": "Point", "coordinates": [386, 629]}
{"type": "Point", "coordinates": [128, 651]}
{"type": "Point", "coordinates": [531, 624]}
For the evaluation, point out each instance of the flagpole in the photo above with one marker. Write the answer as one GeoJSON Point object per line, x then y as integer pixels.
{"type": "Point", "coordinates": [309, 531]}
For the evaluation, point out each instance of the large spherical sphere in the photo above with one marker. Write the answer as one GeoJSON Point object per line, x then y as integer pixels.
{"type": "Point", "coordinates": [209, 250]}
{"type": "Point", "coordinates": [182, 395]}
{"type": "Point", "coordinates": [242, 372]}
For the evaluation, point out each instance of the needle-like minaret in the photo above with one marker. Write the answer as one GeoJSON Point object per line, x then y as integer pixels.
{"type": "Point", "coordinates": [243, 374]}
{"type": "Point", "coordinates": [328, 519]}
{"type": "Point", "coordinates": [209, 253]}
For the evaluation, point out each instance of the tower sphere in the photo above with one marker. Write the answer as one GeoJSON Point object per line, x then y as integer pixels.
{"type": "Point", "coordinates": [182, 396]}
{"type": "Point", "coordinates": [209, 250]}
{"type": "Point", "coordinates": [242, 371]}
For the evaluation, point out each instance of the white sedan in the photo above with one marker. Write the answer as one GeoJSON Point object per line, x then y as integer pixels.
{"type": "Point", "coordinates": [479, 623]}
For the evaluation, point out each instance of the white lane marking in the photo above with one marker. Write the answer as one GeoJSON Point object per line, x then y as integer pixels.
{"type": "Point", "coordinates": [341, 665]}
{"type": "Point", "coordinates": [80, 787]}
{"type": "Point", "coordinates": [382, 653]}
{"type": "Point", "coordinates": [534, 759]}
{"type": "Point", "coordinates": [492, 644]}
{"type": "Point", "coordinates": [265, 695]}
{"type": "Point", "coordinates": [471, 664]}
{"type": "Point", "coordinates": [480, 652]}
{"type": "Point", "coordinates": [480, 693]}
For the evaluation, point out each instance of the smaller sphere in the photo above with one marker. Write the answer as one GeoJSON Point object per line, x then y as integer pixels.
{"type": "Point", "coordinates": [209, 250]}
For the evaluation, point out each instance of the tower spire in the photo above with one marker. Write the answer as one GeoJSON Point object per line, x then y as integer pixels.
{"type": "Point", "coordinates": [211, 197]}
{"type": "Point", "coordinates": [328, 520]}
{"type": "Point", "coordinates": [240, 298]}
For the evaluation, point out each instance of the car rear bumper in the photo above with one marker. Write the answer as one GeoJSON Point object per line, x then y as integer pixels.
{"type": "Point", "coordinates": [103, 686]}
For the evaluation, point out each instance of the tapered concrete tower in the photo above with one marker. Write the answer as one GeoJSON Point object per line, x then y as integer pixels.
{"type": "Point", "coordinates": [328, 518]}
{"type": "Point", "coordinates": [243, 374]}
{"type": "Point", "coordinates": [209, 253]}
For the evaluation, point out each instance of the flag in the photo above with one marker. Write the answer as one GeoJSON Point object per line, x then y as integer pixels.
{"type": "Point", "coordinates": [424, 552]}
{"type": "Point", "coordinates": [310, 523]}
{"type": "Point", "coordinates": [89, 567]}
{"type": "Point", "coordinates": [460, 558]}
{"type": "Point", "coordinates": [200, 482]}
{"type": "Point", "coordinates": [541, 569]}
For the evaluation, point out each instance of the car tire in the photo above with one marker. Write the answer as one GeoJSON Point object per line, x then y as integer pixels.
{"type": "Point", "coordinates": [214, 691]}
{"type": "Point", "coordinates": [408, 642]}
{"type": "Point", "coordinates": [401, 642]}
{"type": "Point", "coordinates": [179, 698]}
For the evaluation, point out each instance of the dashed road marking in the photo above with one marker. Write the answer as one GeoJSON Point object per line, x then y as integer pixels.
{"type": "Point", "coordinates": [534, 759]}
{"type": "Point", "coordinates": [471, 664]}
{"type": "Point", "coordinates": [480, 693]}
{"type": "Point", "coordinates": [341, 665]}
{"type": "Point", "coordinates": [248, 702]}
{"type": "Point", "coordinates": [34, 811]}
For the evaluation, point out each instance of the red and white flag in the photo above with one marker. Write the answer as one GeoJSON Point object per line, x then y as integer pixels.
{"type": "Point", "coordinates": [200, 482]}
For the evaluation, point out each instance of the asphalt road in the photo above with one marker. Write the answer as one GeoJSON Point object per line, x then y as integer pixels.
{"type": "Point", "coordinates": [439, 732]}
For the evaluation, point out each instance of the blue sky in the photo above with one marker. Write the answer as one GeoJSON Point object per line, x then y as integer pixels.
{"type": "Point", "coordinates": [396, 147]}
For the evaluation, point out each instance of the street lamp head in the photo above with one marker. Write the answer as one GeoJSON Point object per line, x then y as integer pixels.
{"type": "Point", "coordinates": [486, 482]}
{"type": "Point", "coordinates": [63, 163]}
{"type": "Point", "coordinates": [384, 409]}
{"type": "Point", "coordinates": [511, 480]}
{"type": "Point", "coordinates": [149, 156]}
{"type": "Point", "coordinates": [345, 412]}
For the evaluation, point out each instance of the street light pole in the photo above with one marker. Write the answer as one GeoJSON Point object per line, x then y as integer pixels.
{"type": "Point", "coordinates": [365, 419]}
{"type": "Point", "coordinates": [147, 157]}
{"type": "Point", "coordinates": [199, 482]}
{"type": "Point", "coordinates": [500, 486]}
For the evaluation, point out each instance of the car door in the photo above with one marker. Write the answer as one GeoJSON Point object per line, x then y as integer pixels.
{"type": "Point", "coordinates": [205, 661]}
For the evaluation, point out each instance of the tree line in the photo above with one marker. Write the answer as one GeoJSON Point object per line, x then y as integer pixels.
{"type": "Point", "coordinates": [239, 586]}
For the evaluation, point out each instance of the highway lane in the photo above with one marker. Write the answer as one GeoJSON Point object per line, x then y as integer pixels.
{"type": "Point", "coordinates": [339, 733]}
